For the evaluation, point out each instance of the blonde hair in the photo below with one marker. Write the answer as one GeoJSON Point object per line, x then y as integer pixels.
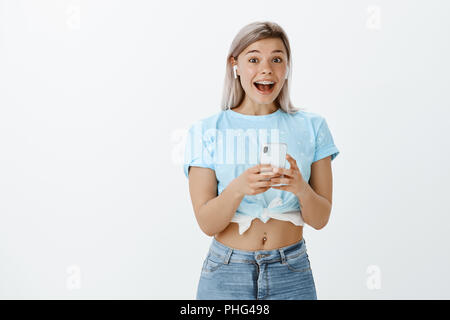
{"type": "Point", "coordinates": [233, 93]}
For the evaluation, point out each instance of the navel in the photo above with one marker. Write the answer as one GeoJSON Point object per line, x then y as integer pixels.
{"type": "Point", "coordinates": [264, 238]}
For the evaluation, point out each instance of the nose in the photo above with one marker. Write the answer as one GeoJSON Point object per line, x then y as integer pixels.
{"type": "Point", "coordinates": [265, 68]}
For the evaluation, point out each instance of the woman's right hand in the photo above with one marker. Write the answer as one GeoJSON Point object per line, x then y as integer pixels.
{"type": "Point", "coordinates": [252, 182]}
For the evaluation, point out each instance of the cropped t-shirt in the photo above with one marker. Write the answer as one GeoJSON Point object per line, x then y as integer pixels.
{"type": "Point", "coordinates": [229, 142]}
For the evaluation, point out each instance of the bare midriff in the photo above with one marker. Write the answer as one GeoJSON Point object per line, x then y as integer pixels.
{"type": "Point", "coordinates": [271, 235]}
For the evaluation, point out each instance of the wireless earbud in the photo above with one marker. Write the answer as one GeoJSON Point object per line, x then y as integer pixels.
{"type": "Point", "coordinates": [234, 70]}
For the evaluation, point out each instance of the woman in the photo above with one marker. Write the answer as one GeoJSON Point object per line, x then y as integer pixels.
{"type": "Point", "coordinates": [258, 250]}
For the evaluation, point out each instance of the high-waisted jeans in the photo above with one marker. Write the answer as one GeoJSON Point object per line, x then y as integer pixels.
{"type": "Point", "coordinates": [282, 274]}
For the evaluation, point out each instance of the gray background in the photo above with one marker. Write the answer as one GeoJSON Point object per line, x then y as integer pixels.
{"type": "Point", "coordinates": [95, 100]}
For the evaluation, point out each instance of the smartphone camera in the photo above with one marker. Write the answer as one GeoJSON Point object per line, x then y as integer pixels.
{"type": "Point", "coordinates": [265, 157]}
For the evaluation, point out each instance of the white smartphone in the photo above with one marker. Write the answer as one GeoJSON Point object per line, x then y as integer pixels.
{"type": "Point", "coordinates": [275, 155]}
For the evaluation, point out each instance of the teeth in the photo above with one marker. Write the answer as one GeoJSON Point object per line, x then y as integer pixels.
{"type": "Point", "coordinates": [265, 82]}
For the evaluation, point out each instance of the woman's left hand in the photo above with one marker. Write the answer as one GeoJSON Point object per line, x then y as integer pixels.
{"type": "Point", "coordinates": [292, 177]}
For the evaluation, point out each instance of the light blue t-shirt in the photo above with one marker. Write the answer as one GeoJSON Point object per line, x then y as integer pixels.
{"type": "Point", "coordinates": [228, 142]}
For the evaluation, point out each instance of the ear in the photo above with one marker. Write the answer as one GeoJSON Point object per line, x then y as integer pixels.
{"type": "Point", "coordinates": [234, 62]}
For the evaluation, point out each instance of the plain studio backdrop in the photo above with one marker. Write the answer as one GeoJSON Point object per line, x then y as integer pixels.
{"type": "Point", "coordinates": [95, 100]}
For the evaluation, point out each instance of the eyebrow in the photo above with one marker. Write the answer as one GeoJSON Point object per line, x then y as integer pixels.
{"type": "Point", "coordinates": [274, 51]}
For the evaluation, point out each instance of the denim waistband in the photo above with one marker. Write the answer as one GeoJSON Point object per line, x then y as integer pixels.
{"type": "Point", "coordinates": [227, 254]}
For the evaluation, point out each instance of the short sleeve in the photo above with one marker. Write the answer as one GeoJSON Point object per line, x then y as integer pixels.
{"type": "Point", "coordinates": [324, 143]}
{"type": "Point", "coordinates": [199, 149]}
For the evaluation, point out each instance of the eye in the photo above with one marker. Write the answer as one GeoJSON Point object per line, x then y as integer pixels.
{"type": "Point", "coordinates": [274, 58]}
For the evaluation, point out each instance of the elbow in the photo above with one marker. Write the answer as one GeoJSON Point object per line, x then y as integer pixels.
{"type": "Point", "coordinates": [203, 225]}
{"type": "Point", "coordinates": [325, 219]}
{"type": "Point", "coordinates": [208, 233]}
{"type": "Point", "coordinates": [315, 225]}
{"type": "Point", "coordinates": [322, 225]}
{"type": "Point", "coordinates": [319, 226]}
{"type": "Point", "coordinates": [206, 230]}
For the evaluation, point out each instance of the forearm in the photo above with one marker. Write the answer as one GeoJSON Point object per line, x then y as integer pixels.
{"type": "Point", "coordinates": [216, 214]}
{"type": "Point", "coordinates": [315, 208]}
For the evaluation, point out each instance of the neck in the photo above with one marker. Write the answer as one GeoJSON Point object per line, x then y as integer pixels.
{"type": "Point", "coordinates": [249, 107]}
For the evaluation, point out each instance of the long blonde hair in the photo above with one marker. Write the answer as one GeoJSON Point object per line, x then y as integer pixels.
{"type": "Point", "coordinates": [233, 93]}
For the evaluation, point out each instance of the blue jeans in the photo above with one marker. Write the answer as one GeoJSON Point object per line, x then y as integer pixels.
{"type": "Point", "coordinates": [282, 274]}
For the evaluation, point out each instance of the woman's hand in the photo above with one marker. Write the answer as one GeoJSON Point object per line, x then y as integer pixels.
{"type": "Point", "coordinates": [252, 182]}
{"type": "Point", "coordinates": [292, 177]}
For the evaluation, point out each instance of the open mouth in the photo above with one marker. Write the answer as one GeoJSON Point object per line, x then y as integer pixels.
{"type": "Point", "coordinates": [264, 88]}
